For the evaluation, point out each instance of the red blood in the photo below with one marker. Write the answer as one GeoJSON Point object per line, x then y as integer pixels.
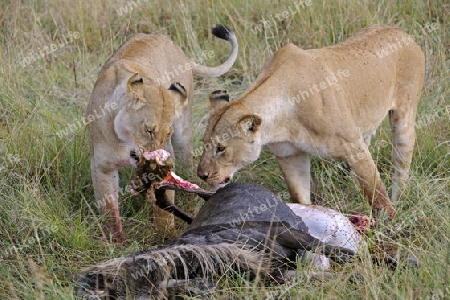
{"type": "Point", "coordinates": [176, 180]}
{"type": "Point", "coordinates": [160, 156]}
{"type": "Point", "coordinates": [361, 222]}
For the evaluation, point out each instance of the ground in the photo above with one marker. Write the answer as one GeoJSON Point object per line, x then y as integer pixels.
{"type": "Point", "coordinates": [51, 53]}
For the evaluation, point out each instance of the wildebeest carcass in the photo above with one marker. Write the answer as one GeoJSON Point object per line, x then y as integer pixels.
{"type": "Point", "coordinates": [242, 228]}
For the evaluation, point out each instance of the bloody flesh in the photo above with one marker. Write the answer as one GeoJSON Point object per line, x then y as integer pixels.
{"type": "Point", "coordinates": [361, 222]}
{"type": "Point", "coordinates": [154, 171]}
{"type": "Point", "coordinates": [172, 178]}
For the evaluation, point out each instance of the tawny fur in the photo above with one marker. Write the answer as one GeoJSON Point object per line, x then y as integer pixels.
{"type": "Point", "coordinates": [149, 80]}
{"type": "Point", "coordinates": [334, 119]}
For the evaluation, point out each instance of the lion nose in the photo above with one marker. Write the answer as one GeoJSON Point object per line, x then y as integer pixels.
{"type": "Point", "coordinates": [202, 174]}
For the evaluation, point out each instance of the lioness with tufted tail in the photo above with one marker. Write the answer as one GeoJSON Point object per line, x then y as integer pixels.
{"type": "Point", "coordinates": [325, 102]}
{"type": "Point", "coordinates": [149, 80]}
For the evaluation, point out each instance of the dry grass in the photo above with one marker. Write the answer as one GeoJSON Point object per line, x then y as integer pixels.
{"type": "Point", "coordinates": [48, 224]}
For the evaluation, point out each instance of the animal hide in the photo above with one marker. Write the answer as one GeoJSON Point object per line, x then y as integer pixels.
{"type": "Point", "coordinates": [242, 229]}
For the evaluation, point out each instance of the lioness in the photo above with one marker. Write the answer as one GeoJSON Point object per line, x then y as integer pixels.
{"type": "Point", "coordinates": [149, 80]}
{"type": "Point", "coordinates": [325, 102]}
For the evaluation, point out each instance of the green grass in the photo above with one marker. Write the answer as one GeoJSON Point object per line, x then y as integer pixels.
{"type": "Point", "coordinates": [49, 226]}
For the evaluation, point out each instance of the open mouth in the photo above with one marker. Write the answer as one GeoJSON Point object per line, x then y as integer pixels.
{"type": "Point", "coordinates": [225, 181]}
{"type": "Point", "coordinates": [134, 156]}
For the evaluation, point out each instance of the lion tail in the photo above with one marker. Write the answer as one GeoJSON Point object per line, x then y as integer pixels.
{"type": "Point", "coordinates": [225, 33]}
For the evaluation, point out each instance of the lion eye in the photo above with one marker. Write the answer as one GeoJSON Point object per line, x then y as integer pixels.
{"type": "Point", "coordinates": [169, 135]}
{"type": "Point", "coordinates": [149, 131]}
{"type": "Point", "coordinates": [220, 149]}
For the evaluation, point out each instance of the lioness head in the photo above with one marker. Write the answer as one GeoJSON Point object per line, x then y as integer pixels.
{"type": "Point", "coordinates": [144, 121]}
{"type": "Point", "coordinates": [231, 140]}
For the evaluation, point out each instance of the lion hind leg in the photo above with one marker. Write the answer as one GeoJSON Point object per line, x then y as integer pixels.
{"type": "Point", "coordinates": [182, 142]}
{"type": "Point", "coordinates": [403, 137]}
{"type": "Point", "coordinates": [361, 162]}
{"type": "Point", "coordinates": [296, 172]}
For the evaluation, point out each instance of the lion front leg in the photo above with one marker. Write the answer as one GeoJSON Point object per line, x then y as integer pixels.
{"type": "Point", "coordinates": [361, 162]}
{"type": "Point", "coordinates": [106, 191]}
{"type": "Point", "coordinates": [162, 219]}
{"type": "Point", "coordinates": [296, 172]}
{"type": "Point", "coordinates": [183, 144]}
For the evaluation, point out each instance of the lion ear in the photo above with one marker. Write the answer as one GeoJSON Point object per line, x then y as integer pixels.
{"type": "Point", "coordinates": [135, 82]}
{"type": "Point", "coordinates": [179, 90]}
{"type": "Point", "coordinates": [217, 99]}
{"type": "Point", "coordinates": [249, 123]}
{"type": "Point", "coordinates": [179, 95]}
{"type": "Point", "coordinates": [178, 87]}
{"type": "Point", "coordinates": [135, 89]}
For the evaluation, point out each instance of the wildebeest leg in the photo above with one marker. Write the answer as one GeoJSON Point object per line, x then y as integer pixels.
{"type": "Point", "coordinates": [283, 235]}
{"type": "Point", "coordinates": [297, 239]}
{"type": "Point", "coordinates": [163, 202]}
{"type": "Point", "coordinates": [205, 195]}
